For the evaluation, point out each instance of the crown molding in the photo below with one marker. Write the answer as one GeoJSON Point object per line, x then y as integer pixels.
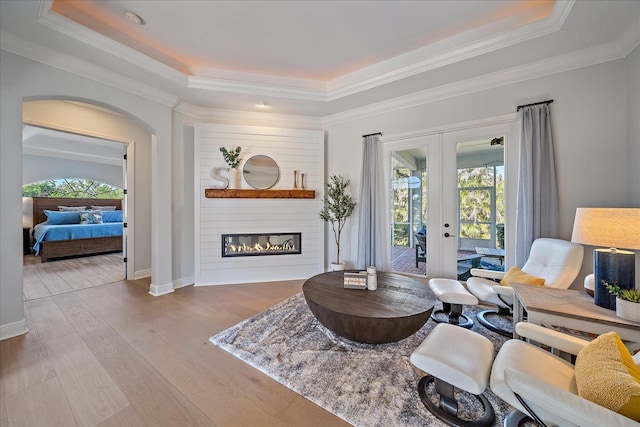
{"type": "Point", "coordinates": [579, 59]}
{"type": "Point", "coordinates": [244, 117]}
{"type": "Point", "coordinates": [74, 65]}
{"type": "Point", "coordinates": [455, 49]}
{"type": "Point", "coordinates": [259, 89]}
{"type": "Point", "coordinates": [470, 44]}
{"type": "Point", "coordinates": [176, 74]}
{"type": "Point", "coordinates": [317, 91]}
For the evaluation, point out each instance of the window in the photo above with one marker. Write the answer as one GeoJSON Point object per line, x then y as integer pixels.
{"type": "Point", "coordinates": [481, 203]}
{"type": "Point", "coordinates": [72, 187]}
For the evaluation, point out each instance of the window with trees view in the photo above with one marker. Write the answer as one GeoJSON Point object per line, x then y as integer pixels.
{"type": "Point", "coordinates": [409, 204]}
{"type": "Point", "coordinates": [481, 202]}
{"type": "Point", "coordinates": [72, 187]}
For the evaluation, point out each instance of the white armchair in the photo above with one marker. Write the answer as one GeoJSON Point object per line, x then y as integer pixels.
{"type": "Point", "coordinates": [556, 261]}
{"type": "Point", "coordinates": [540, 384]}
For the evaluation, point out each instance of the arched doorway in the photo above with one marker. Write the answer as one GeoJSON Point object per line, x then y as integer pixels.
{"type": "Point", "coordinates": [85, 119]}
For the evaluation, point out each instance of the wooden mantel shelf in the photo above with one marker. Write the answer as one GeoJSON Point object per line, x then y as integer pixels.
{"type": "Point", "coordinates": [228, 193]}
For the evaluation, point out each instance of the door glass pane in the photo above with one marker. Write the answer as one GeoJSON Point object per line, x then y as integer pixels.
{"type": "Point", "coordinates": [408, 193]}
{"type": "Point", "coordinates": [401, 207]}
{"type": "Point", "coordinates": [481, 211]}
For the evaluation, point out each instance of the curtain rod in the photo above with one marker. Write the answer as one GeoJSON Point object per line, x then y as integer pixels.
{"type": "Point", "coordinates": [535, 103]}
{"type": "Point", "coordinates": [372, 134]}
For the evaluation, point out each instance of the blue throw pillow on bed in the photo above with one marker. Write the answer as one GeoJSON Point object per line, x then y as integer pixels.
{"type": "Point", "coordinates": [91, 217]}
{"type": "Point", "coordinates": [111, 216]}
{"type": "Point", "coordinates": [62, 218]}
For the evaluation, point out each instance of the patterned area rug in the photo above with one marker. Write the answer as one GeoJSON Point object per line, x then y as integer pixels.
{"type": "Point", "coordinates": [364, 384]}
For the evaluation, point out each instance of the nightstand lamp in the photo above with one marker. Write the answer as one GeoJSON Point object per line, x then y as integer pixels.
{"type": "Point", "coordinates": [612, 228]}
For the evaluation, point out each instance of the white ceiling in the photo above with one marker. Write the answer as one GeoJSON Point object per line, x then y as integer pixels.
{"type": "Point", "coordinates": [312, 58]}
{"type": "Point", "coordinates": [37, 141]}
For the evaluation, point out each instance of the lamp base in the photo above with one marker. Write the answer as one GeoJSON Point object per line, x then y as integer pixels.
{"type": "Point", "coordinates": [612, 266]}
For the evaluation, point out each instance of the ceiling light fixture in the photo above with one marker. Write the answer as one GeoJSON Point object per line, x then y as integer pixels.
{"type": "Point", "coordinates": [134, 18]}
{"type": "Point", "coordinates": [262, 104]}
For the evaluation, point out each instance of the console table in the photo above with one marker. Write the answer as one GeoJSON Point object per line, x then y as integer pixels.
{"type": "Point", "coordinates": [570, 309]}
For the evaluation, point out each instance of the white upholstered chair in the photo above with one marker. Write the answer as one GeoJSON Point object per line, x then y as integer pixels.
{"type": "Point", "coordinates": [556, 261]}
{"type": "Point", "coordinates": [539, 384]}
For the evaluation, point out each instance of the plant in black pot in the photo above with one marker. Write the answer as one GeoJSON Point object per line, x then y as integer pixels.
{"type": "Point", "coordinates": [338, 207]}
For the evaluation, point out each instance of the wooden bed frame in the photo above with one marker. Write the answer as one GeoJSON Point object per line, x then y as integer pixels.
{"type": "Point", "coordinates": [77, 247]}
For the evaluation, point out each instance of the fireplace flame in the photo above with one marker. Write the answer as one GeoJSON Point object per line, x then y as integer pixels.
{"type": "Point", "coordinates": [286, 246]}
{"type": "Point", "coordinates": [253, 244]}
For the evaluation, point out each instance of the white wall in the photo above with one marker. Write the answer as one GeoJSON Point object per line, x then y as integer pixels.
{"type": "Point", "coordinates": [183, 201]}
{"type": "Point", "coordinates": [291, 149]}
{"type": "Point", "coordinates": [633, 137]}
{"type": "Point", "coordinates": [183, 197]}
{"type": "Point", "coordinates": [633, 127]}
{"type": "Point", "coordinates": [589, 121]}
{"type": "Point", "coordinates": [21, 80]}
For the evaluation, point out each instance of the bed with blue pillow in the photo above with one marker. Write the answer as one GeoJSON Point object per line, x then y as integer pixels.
{"type": "Point", "coordinates": [68, 227]}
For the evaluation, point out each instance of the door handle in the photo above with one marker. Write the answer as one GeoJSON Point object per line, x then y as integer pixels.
{"type": "Point", "coordinates": [448, 235]}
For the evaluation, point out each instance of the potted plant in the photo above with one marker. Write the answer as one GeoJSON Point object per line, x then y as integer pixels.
{"type": "Point", "coordinates": [339, 206]}
{"type": "Point", "coordinates": [627, 301]}
{"type": "Point", "coordinates": [232, 158]}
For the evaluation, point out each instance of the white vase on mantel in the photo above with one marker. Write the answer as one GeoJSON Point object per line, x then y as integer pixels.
{"type": "Point", "coordinates": [337, 267]}
{"type": "Point", "coordinates": [628, 310]}
{"type": "Point", "coordinates": [235, 179]}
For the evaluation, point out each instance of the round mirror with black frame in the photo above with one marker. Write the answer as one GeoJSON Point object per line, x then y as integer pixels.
{"type": "Point", "coordinates": [261, 172]}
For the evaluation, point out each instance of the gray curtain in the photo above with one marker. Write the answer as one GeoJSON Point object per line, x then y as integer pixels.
{"type": "Point", "coordinates": [537, 208]}
{"type": "Point", "coordinates": [371, 206]}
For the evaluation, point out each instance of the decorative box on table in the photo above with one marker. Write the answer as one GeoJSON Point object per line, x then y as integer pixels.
{"type": "Point", "coordinates": [355, 280]}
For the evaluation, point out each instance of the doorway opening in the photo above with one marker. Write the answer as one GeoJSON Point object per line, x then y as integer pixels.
{"type": "Point", "coordinates": [64, 140]}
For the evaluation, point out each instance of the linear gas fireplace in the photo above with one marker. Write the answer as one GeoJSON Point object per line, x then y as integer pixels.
{"type": "Point", "coordinates": [234, 245]}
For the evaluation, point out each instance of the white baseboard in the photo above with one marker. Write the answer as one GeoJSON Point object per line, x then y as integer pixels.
{"type": "Point", "coordinates": [185, 281]}
{"type": "Point", "coordinates": [157, 290]}
{"type": "Point", "coordinates": [141, 274]}
{"type": "Point", "coordinates": [13, 329]}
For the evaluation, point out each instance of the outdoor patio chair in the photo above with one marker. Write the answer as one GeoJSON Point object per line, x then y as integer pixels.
{"type": "Point", "coordinates": [421, 248]}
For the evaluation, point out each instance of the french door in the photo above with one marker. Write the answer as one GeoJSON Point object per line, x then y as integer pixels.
{"type": "Point", "coordinates": [454, 187]}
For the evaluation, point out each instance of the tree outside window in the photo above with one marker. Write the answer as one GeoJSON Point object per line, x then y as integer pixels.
{"type": "Point", "coordinates": [481, 198]}
{"type": "Point", "coordinates": [72, 188]}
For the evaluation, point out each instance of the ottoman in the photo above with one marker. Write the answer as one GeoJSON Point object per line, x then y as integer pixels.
{"type": "Point", "coordinates": [455, 357]}
{"type": "Point", "coordinates": [453, 296]}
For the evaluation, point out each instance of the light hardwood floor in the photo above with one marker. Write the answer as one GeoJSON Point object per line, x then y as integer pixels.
{"type": "Point", "coordinates": [115, 355]}
{"type": "Point", "coordinates": [66, 275]}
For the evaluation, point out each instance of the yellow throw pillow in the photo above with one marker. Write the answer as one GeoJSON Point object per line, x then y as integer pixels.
{"type": "Point", "coordinates": [607, 375]}
{"type": "Point", "coordinates": [515, 275]}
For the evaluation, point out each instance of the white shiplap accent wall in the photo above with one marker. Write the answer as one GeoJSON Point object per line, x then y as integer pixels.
{"type": "Point", "coordinates": [292, 149]}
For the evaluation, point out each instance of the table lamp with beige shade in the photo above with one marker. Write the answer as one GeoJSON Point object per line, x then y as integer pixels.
{"type": "Point", "coordinates": [615, 229]}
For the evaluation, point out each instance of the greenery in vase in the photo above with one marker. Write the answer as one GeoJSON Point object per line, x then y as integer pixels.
{"type": "Point", "coordinates": [232, 157]}
{"type": "Point", "coordinates": [339, 206]}
{"type": "Point", "coordinates": [614, 288]}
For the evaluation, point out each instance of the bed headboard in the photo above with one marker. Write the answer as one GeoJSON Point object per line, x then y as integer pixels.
{"type": "Point", "coordinates": [52, 203]}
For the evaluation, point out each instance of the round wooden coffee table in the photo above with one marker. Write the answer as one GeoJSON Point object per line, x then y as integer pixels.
{"type": "Point", "coordinates": [397, 309]}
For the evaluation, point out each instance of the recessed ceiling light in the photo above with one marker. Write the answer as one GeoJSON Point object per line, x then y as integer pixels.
{"type": "Point", "coordinates": [263, 104]}
{"type": "Point", "coordinates": [134, 18]}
